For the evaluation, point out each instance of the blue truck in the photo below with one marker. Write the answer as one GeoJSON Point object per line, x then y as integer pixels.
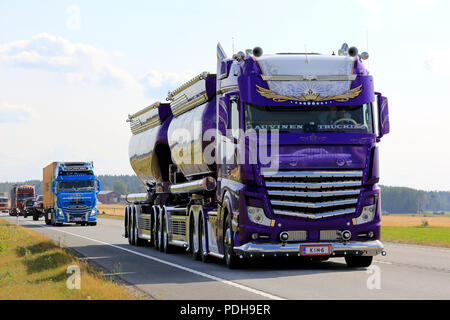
{"type": "Point", "coordinates": [70, 193]}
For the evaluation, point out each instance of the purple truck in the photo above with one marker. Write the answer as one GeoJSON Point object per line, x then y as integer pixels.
{"type": "Point", "coordinates": [273, 156]}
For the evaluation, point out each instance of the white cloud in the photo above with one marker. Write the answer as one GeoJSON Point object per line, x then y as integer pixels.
{"type": "Point", "coordinates": [437, 61]}
{"type": "Point", "coordinates": [12, 113]}
{"type": "Point", "coordinates": [77, 62]}
{"type": "Point", "coordinates": [157, 79]}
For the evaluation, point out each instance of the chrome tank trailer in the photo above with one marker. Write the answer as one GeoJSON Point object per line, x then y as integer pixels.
{"type": "Point", "coordinates": [149, 128]}
{"type": "Point", "coordinates": [194, 108]}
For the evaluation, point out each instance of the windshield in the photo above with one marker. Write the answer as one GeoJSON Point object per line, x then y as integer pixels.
{"type": "Point", "coordinates": [40, 198]}
{"type": "Point", "coordinates": [74, 185]}
{"type": "Point", "coordinates": [22, 196]}
{"type": "Point", "coordinates": [309, 119]}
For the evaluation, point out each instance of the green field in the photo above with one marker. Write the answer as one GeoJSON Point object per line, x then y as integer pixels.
{"type": "Point", "coordinates": [32, 267]}
{"type": "Point", "coordinates": [417, 235]}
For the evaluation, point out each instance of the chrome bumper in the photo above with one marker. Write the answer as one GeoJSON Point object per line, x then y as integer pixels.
{"type": "Point", "coordinates": [338, 249]}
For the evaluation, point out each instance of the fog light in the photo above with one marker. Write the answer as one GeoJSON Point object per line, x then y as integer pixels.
{"type": "Point", "coordinates": [255, 236]}
{"type": "Point", "coordinates": [371, 234]}
{"type": "Point", "coordinates": [346, 235]}
{"type": "Point", "coordinates": [284, 236]}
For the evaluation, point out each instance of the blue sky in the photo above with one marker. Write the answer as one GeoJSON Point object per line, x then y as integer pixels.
{"type": "Point", "coordinates": [66, 63]}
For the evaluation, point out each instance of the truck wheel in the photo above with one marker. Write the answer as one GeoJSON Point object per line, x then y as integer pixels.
{"type": "Point", "coordinates": [165, 237]}
{"type": "Point", "coordinates": [231, 259]}
{"type": "Point", "coordinates": [155, 227]}
{"type": "Point", "coordinates": [92, 223]}
{"type": "Point", "coordinates": [193, 240]}
{"type": "Point", "coordinates": [47, 220]}
{"type": "Point", "coordinates": [35, 215]}
{"type": "Point", "coordinates": [358, 262]}
{"type": "Point", "coordinates": [151, 243]}
{"type": "Point", "coordinates": [132, 228]}
{"type": "Point", "coordinates": [160, 230]}
{"type": "Point", "coordinates": [126, 234]}
{"type": "Point", "coordinates": [202, 241]}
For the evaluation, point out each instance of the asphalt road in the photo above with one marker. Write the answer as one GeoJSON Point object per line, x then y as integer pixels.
{"type": "Point", "coordinates": [406, 272]}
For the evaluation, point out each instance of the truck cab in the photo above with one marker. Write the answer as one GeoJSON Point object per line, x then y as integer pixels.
{"type": "Point", "coordinates": [275, 155]}
{"type": "Point", "coordinates": [311, 123]}
{"type": "Point", "coordinates": [70, 193]}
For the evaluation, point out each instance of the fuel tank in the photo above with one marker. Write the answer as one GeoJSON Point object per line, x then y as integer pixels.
{"type": "Point", "coordinates": [193, 106]}
{"type": "Point", "coordinates": [189, 150]}
{"type": "Point", "coordinates": [149, 127]}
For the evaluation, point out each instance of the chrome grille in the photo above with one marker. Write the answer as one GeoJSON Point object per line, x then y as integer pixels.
{"type": "Point", "coordinates": [297, 235]}
{"type": "Point", "coordinates": [178, 227]}
{"type": "Point", "coordinates": [144, 223]}
{"type": "Point", "coordinates": [77, 210]}
{"type": "Point", "coordinates": [313, 194]}
{"type": "Point", "coordinates": [330, 235]}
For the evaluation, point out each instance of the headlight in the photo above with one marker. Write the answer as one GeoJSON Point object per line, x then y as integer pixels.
{"type": "Point", "coordinates": [60, 213]}
{"type": "Point", "coordinates": [367, 214]}
{"type": "Point", "coordinates": [93, 212]}
{"type": "Point", "coordinates": [257, 215]}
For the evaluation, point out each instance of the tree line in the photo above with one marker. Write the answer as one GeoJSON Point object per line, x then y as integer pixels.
{"type": "Point", "coordinates": [393, 199]}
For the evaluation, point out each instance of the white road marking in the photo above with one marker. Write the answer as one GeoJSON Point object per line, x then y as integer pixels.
{"type": "Point", "coordinates": [384, 262]}
{"type": "Point", "coordinates": [202, 274]}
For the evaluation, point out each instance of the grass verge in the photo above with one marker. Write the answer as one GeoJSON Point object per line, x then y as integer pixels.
{"type": "Point", "coordinates": [32, 267]}
{"type": "Point", "coordinates": [430, 236]}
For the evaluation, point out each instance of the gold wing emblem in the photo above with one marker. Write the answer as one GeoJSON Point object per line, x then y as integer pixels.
{"type": "Point", "coordinates": [310, 96]}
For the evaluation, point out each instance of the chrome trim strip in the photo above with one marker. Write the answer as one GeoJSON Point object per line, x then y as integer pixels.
{"type": "Point", "coordinates": [178, 243]}
{"type": "Point", "coordinates": [136, 197]}
{"type": "Point", "coordinates": [217, 255]}
{"type": "Point", "coordinates": [298, 185]}
{"type": "Point", "coordinates": [312, 204]}
{"type": "Point", "coordinates": [314, 216]}
{"type": "Point", "coordinates": [312, 174]}
{"type": "Point", "coordinates": [205, 184]}
{"type": "Point", "coordinates": [350, 77]}
{"type": "Point", "coordinates": [313, 194]}
{"type": "Point", "coordinates": [369, 248]}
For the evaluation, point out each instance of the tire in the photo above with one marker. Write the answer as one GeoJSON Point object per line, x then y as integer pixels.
{"type": "Point", "coordinates": [202, 241]}
{"type": "Point", "coordinates": [92, 224]}
{"type": "Point", "coordinates": [131, 236]}
{"type": "Point", "coordinates": [193, 240]}
{"type": "Point", "coordinates": [129, 225]}
{"type": "Point", "coordinates": [126, 234]}
{"type": "Point", "coordinates": [35, 216]}
{"type": "Point", "coordinates": [156, 229]}
{"type": "Point", "coordinates": [47, 220]}
{"type": "Point", "coordinates": [160, 230]}
{"type": "Point", "coordinates": [165, 237]}
{"type": "Point", "coordinates": [231, 259]}
{"type": "Point", "coordinates": [151, 243]}
{"type": "Point", "coordinates": [358, 262]}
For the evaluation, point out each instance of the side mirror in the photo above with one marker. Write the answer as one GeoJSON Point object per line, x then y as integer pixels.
{"type": "Point", "coordinates": [99, 186]}
{"type": "Point", "coordinates": [383, 115]}
{"type": "Point", "coordinates": [53, 187]}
